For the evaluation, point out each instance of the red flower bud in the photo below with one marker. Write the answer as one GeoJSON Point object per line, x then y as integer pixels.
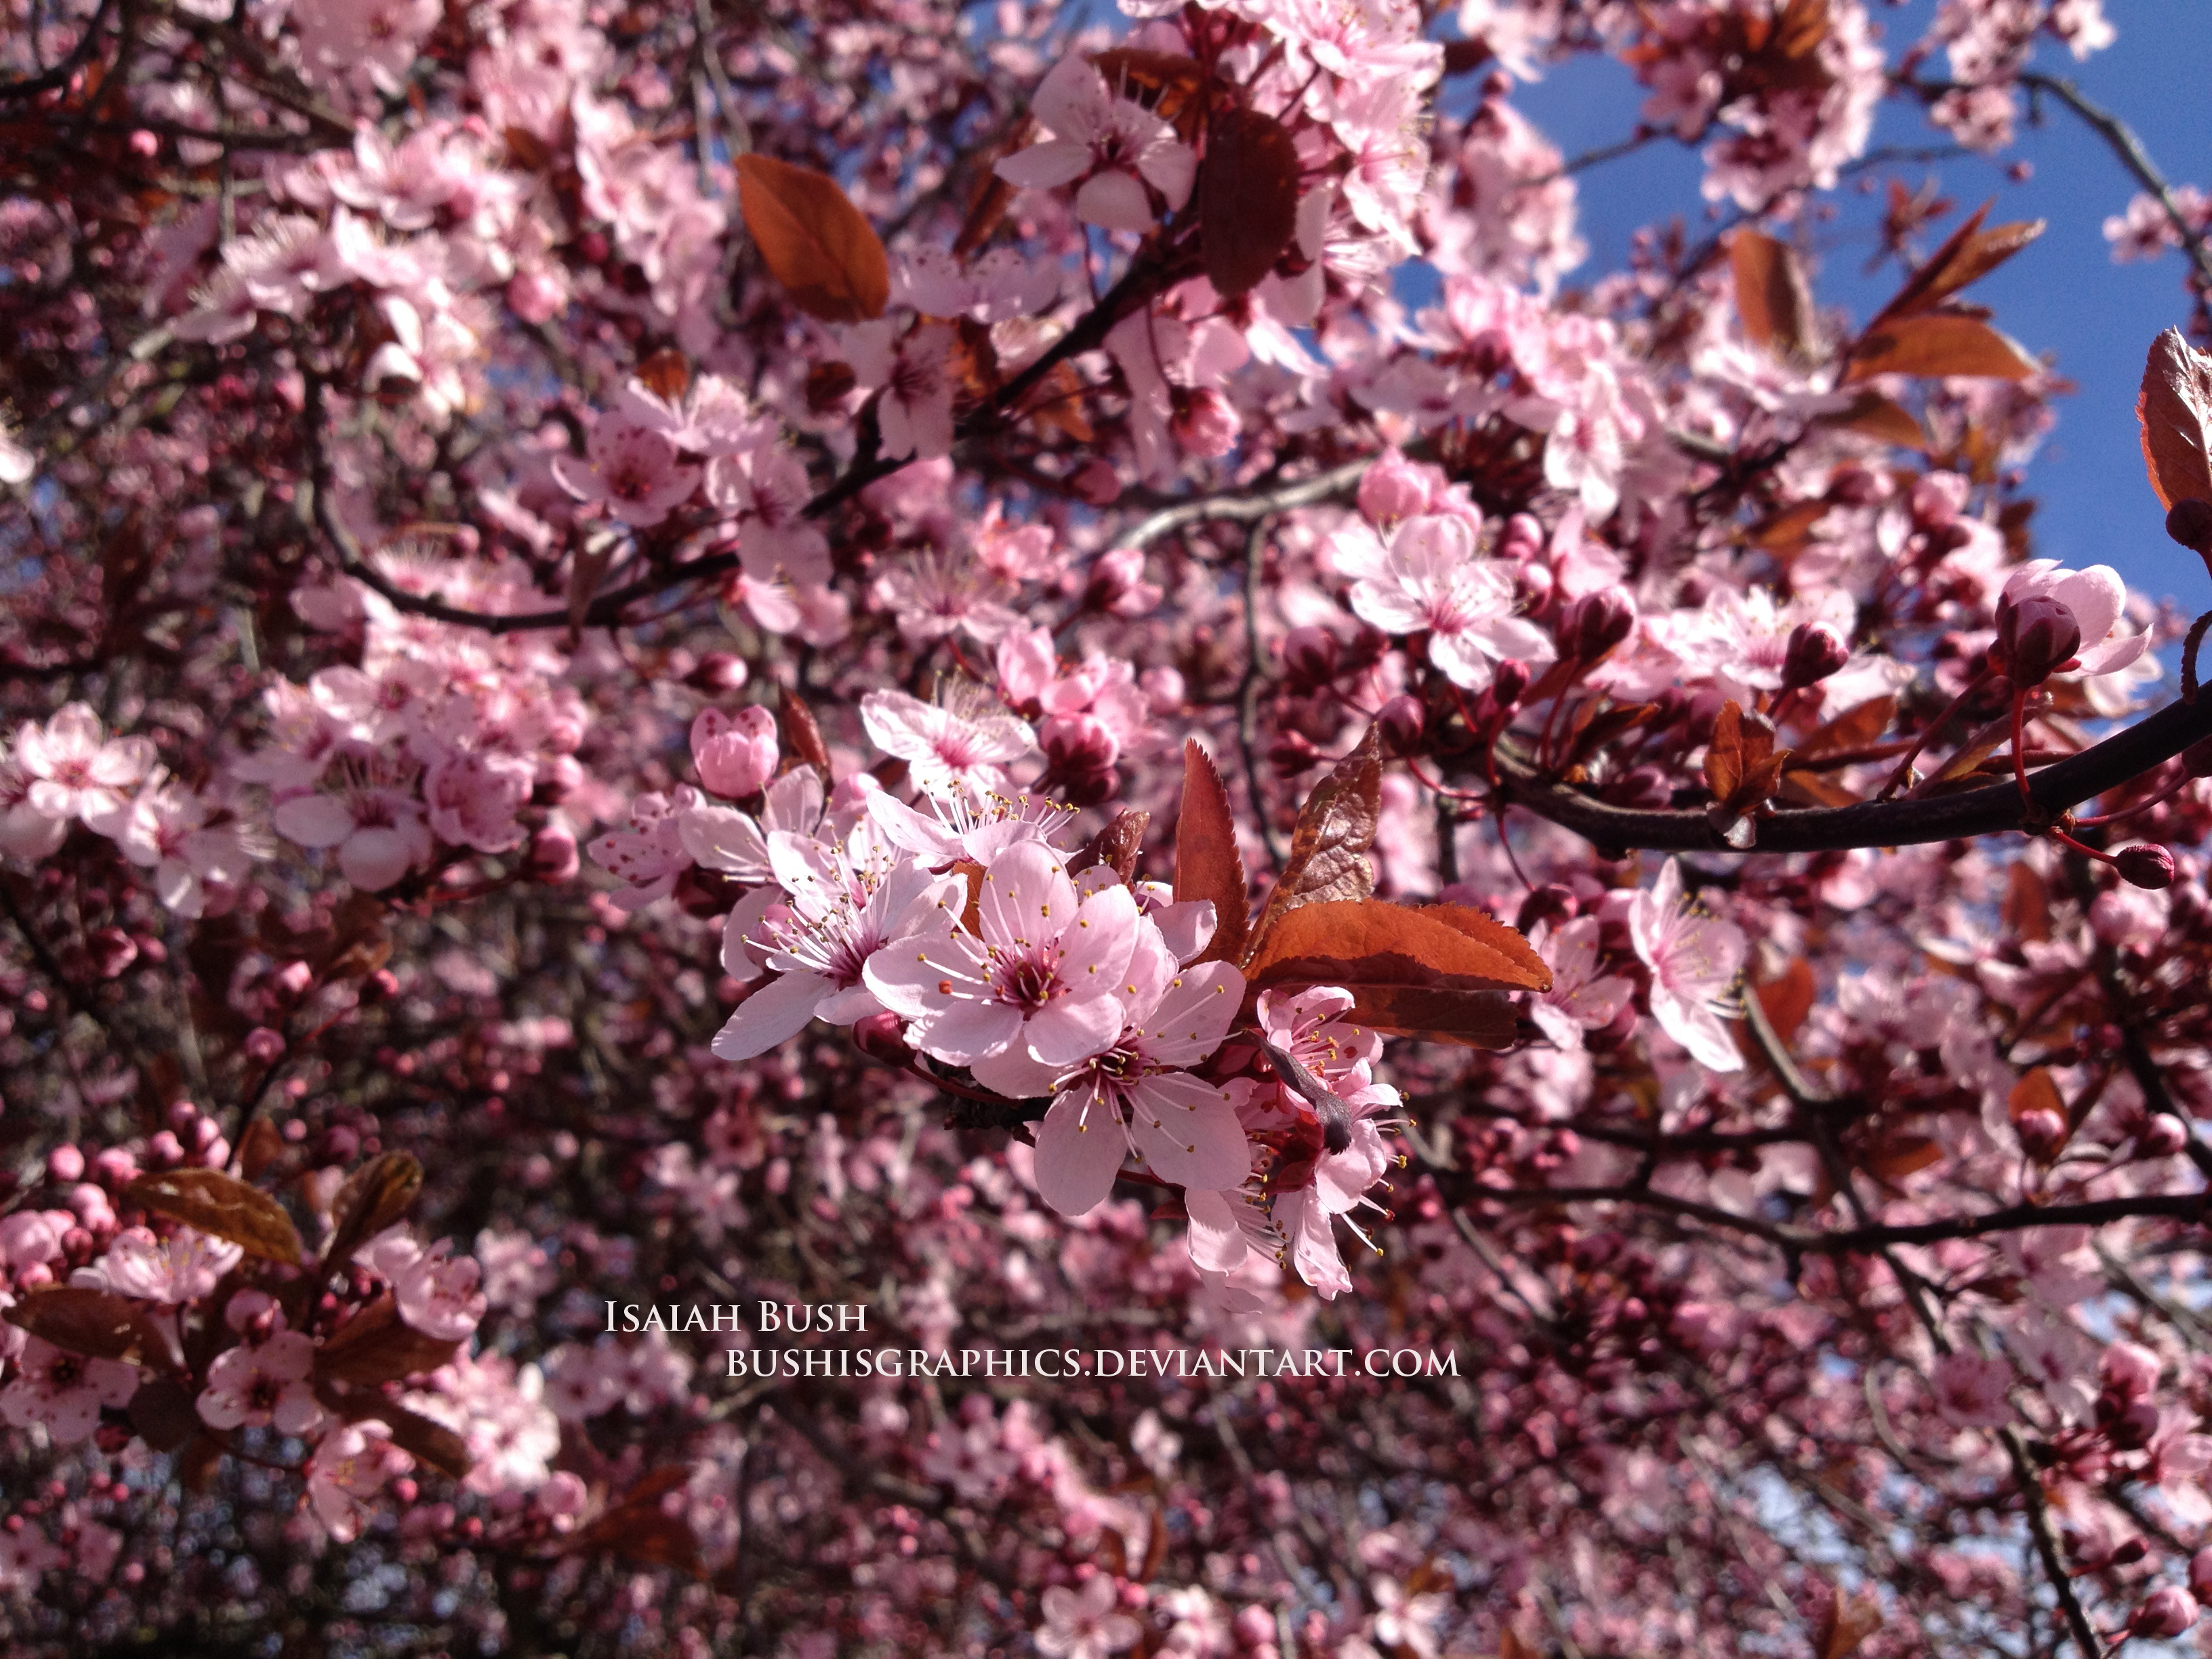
{"type": "Point", "coordinates": [1815, 651]}
{"type": "Point", "coordinates": [1403, 721]}
{"type": "Point", "coordinates": [2041, 1133]}
{"type": "Point", "coordinates": [2036, 636]}
{"type": "Point", "coordinates": [2166, 1611]}
{"type": "Point", "coordinates": [719, 671]}
{"type": "Point", "coordinates": [2189, 523]}
{"type": "Point", "coordinates": [879, 1036]}
{"type": "Point", "coordinates": [1510, 680]}
{"type": "Point", "coordinates": [2162, 1136]}
{"type": "Point", "coordinates": [1310, 656]}
{"type": "Point", "coordinates": [2145, 865]}
{"type": "Point", "coordinates": [1596, 624]}
{"type": "Point", "coordinates": [1522, 539]}
{"type": "Point", "coordinates": [552, 858]}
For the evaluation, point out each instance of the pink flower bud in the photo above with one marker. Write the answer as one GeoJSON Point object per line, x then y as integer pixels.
{"type": "Point", "coordinates": [1117, 584]}
{"type": "Point", "coordinates": [1310, 656]}
{"type": "Point", "coordinates": [1394, 488]}
{"type": "Point", "coordinates": [2200, 1574]}
{"type": "Point", "coordinates": [164, 1150]}
{"type": "Point", "coordinates": [2166, 1611]}
{"type": "Point", "coordinates": [2189, 523]}
{"type": "Point", "coordinates": [2129, 1370]}
{"type": "Point", "coordinates": [112, 950]}
{"type": "Point", "coordinates": [1596, 624]}
{"type": "Point", "coordinates": [64, 1163]}
{"type": "Point", "coordinates": [1206, 423]}
{"type": "Point", "coordinates": [1815, 651]}
{"type": "Point", "coordinates": [1509, 681]}
{"type": "Point", "coordinates": [880, 1037]}
{"type": "Point", "coordinates": [1403, 721]}
{"type": "Point", "coordinates": [552, 858]}
{"type": "Point", "coordinates": [2042, 1133]}
{"type": "Point", "coordinates": [115, 1167]}
{"type": "Point", "coordinates": [2162, 1136]}
{"type": "Point", "coordinates": [2145, 865]}
{"type": "Point", "coordinates": [719, 672]}
{"type": "Point", "coordinates": [736, 753]}
{"type": "Point", "coordinates": [1097, 482]}
{"type": "Point", "coordinates": [1522, 539]}
{"type": "Point", "coordinates": [263, 1046]}
{"type": "Point", "coordinates": [2035, 636]}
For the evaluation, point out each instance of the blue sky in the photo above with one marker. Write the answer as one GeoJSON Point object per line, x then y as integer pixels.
{"type": "Point", "coordinates": [2064, 295]}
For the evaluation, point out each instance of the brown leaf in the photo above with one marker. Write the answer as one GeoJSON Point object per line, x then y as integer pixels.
{"type": "Point", "coordinates": [1784, 531]}
{"type": "Point", "coordinates": [1968, 254]}
{"type": "Point", "coordinates": [1787, 1000]}
{"type": "Point", "coordinates": [1434, 973]}
{"type": "Point", "coordinates": [813, 240]}
{"type": "Point", "coordinates": [1248, 198]}
{"type": "Point", "coordinates": [2025, 910]}
{"type": "Point", "coordinates": [372, 1198]}
{"type": "Point", "coordinates": [1772, 297]}
{"type": "Point", "coordinates": [1115, 847]}
{"type": "Point", "coordinates": [1857, 728]}
{"type": "Point", "coordinates": [1207, 864]}
{"type": "Point", "coordinates": [98, 1324]}
{"type": "Point", "coordinates": [1848, 1619]}
{"type": "Point", "coordinates": [586, 566]}
{"type": "Point", "coordinates": [2175, 412]}
{"type": "Point", "coordinates": [376, 1346]}
{"type": "Point", "coordinates": [223, 1206]}
{"type": "Point", "coordinates": [2035, 1093]}
{"type": "Point", "coordinates": [971, 913]}
{"type": "Point", "coordinates": [1724, 755]}
{"type": "Point", "coordinates": [1901, 1155]}
{"type": "Point", "coordinates": [1329, 850]}
{"type": "Point", "coordinates": [163, 1413]}
{"type": "Point", "coordinates": [1876, 417]}
{"type": "Point", "coordinates": [426, 1441]}
{"type": "Point", "coordinates": [801, 736]}
{"type": "Point", "coordinates": [1938, 343]}
{"type": "Point", "coordinates": [1814, 789]}
{"type": "Point", "coordinates": [648, 1525]}
{"type": "Point", "coordinates": [667, 374]}
{"type": "Point", "coordinates": [262, 1146]}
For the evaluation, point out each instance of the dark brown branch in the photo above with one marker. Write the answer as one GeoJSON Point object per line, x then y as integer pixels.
{"type": "Point", "coordinates": [1989, 811]}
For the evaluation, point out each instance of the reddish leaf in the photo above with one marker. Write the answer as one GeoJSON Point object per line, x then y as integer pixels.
{"type": "Point", "coordinates": [1772, 297]}
{"type": "Point", "coordinates": [589, 564]}
{"type": "Point", "coordinates": [814, 241]}
{"type": "Point", "coordinates": [372, 1198]}
{"type": "Point", "coordinates": [376, 1346]}
{"type": "Point", "coordinates": [2034, 1092]}
{"type": "Point", "coordinates": [1724, 755]}
{"type": "Point", "coordinates": [1115, 847]}
{"type": "Point", "coordinates": [1874, 416]}
{"type": "Point", "coordinates": [1847, 1620]}
{"type": "Point", "coordinates": [667, 374]}
{"type": "Point", "coordinates": [1786, 1001]}
{"type": "Point", "coordinates": [801, 736]}
{"type": "Point", "coordinates": [2026, 909]}
{"type": "Point", "coordinates": [1434, 972]}
{"type": "Point", "coordinates": [1939, 342]}
{"type": "Point", "coordinates": [2175, 412]}
{"type": "Point", "coordinates": [1967, 255]}
{"type": "Point", "coordinates": [223, 1206]}
{"type": "Point", "coordinates": [98, 1324]}
{"type": "Point", "coordinates": [1329, 850]}
{"type": "Point", "coordinates": [1207, 864]}
{"type": "Point", "coordinates": [261, 1146]}
{"type": "Point", "coordinates": [648, 1525]}
{"type": "Point", "coordinates": [1857, 728]}
{"type": "Point", "coordinates": [1248, 198]}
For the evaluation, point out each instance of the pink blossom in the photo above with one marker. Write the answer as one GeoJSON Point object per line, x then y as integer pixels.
{"type": "Point", "coordinates": [736, 754]}
{"type": "Point", "coordinates": [351, 1466]}
{"type": "Point", "coordinates": [1694, 960]}
{"type": "Point", "coordinates": [1043, 984]}
{"type": "Point", "coordinates": [722, 838]}
{"type": "Point", "coordinates": [182, 1269]}
{"type": "Point", "coordinates": [257, 1384]}
{"type": "Point", "coordinates": [1084, 1623]}
{"type": "Point", "coordinates": [1972, 1392]}
{"type": "Point", "coordinates": [649, 855]}
{"type": "Point", "coordinates": [1428, 579]}
{"type": "Point", "coordinates": [1139, 1098]}
{"type": "Point", "coordinates": [2093, 600]}
{"type": "Point", "coordinates": [379, 831]}
{"type": "Point", "coordinates": [1580, 999]}
{"type": "Point", "coordinates": [437, 1293]}
{"type": "Point", "coordinates": [965, 746]}
{"type": "Point", "coordinates": [913, 374]}
{"type": "Point", "coordinates": [64, 1391]}
{"type": "Point", "coordinates": [75, 769]}
{"type": "Point", "coordinates": [1115, 146]}
{"type": "Point", "coordinates": [631, 468]}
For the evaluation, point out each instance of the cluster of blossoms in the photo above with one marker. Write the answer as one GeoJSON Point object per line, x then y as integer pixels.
{"type": "Point", "coordinates": [601, 613]}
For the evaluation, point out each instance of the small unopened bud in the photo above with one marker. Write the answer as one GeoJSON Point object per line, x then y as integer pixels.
{"type": "Point", "coordinates": [2133, 1428]}
{"type": "Point", "coordinates": [2145, 865]}
{"type": "Point", "coordinates": [1404, 722]}
{"type": "Point", "coordinates": [2200, 1574]}
{"type": "Point", "coordinates": [2162, 1136]}
{"type": "Point", "coordinates": [2166, 1611]}
{"type": "Point", "coordinates": [112, 950]}
{"type": "Point", "coordinates": [1596, 624]}
{"type": "Point", "coordinates": [1815, 651]}
{"type": "Point", "coordinates": [552, 858]}
{"type": "Point", "coordinates": [2127, 1552]}
{"type": "Point", "coordinates": [1205, 423]}
{"type": "Point", "coordinates": [2042, 1133]}
{"type": "Point", "coordinates": [1096, 482]}
{"type": "Point", "coordinates": [2129, 1370]}
{"type": "Point", "coordinates": [1117, 584]}
{"type": "Point", "coordinates": [1509, 681]}
{"type": "Point", "coordinates": [1522, 539]}
{"type": "Point", "coordinates": [1553, 903]}
{"type": "Point", "coordinates": [1292, 753]}
{"type": "Point", "coordinates": [881, 1036]}
{"type": "Point", "coordinates": [719, 672]}
{"type": "Point", "coordinates": [2035, 636]}
{"type": "Point", "coordinates": [1310, 656]}
{"type": "Point", "coordinates": [264, 1046]}
{"type": "Point", "coordinates": [736, 754]}
{"type": "Point", "coordinates": [2189, 523]}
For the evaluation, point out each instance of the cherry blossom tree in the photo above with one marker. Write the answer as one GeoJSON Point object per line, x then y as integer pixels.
{"type": "Point", "coordinates": [905, 828]}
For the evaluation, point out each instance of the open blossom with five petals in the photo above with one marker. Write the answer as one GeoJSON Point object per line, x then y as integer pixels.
{"type": "Point", "coordinates": [351, 1464]}
{"type": "Point", "coordinates": [915, 376]}
{"type": "Point", "coordinates": [378, 830]}
{"type": "Point", "coordinates": [63, 1390]}
{"type": "Point", "coordinates": [75, 770]}
{"type": "Point", "coordinates": [1139, 1098]}
{"type": "Point", "coordinates": [2094, 599]}
{"type": "Point", "coordinates": [833, 913]}
{"type": "Point", "coordinates": [1428, 579]}
{"type": "Point", "coordinates": [258, 1384]}
{"type": "Point", "coordinates": [1581, 999]}
{"type": "Point", "coordinates": [963, 825]}
{"type": "Point", "coordinates": [631, 468]}
{"type": "Point", "coordinates": [1694, 960]}
{"type": "Point", "coordinates": [947, 747]}
{"type": "Point", "coordinates": [1044, 984]}
{"type": "Point", "coordinates": [1120, 150]}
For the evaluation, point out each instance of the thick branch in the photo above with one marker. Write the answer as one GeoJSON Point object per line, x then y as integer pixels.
{"type": "Point", "coordinates": [1989, 811]}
